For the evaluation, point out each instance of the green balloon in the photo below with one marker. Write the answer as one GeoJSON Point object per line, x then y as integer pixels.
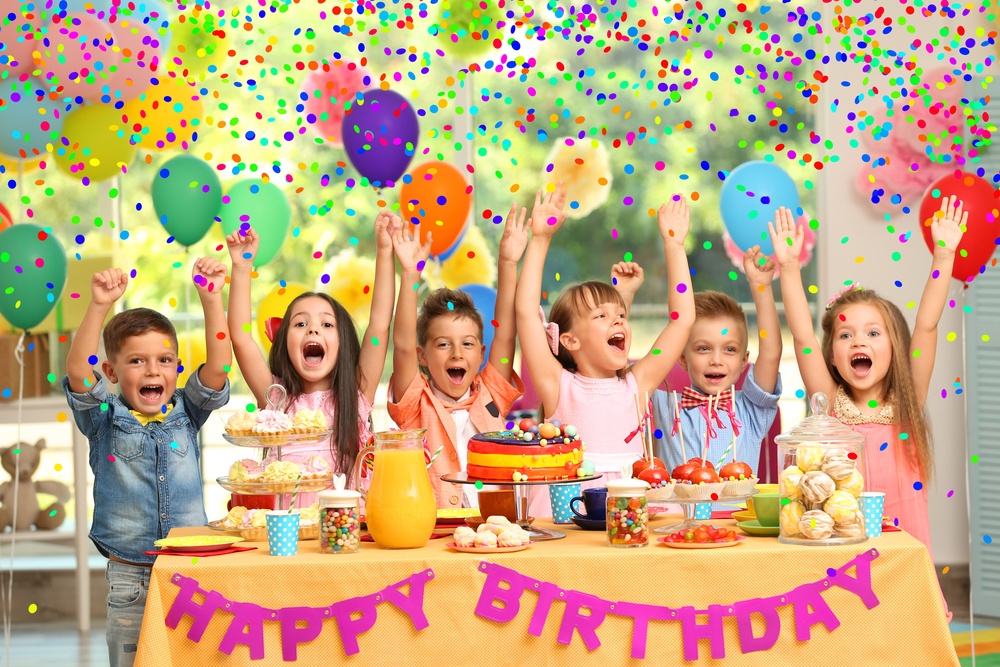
{"type": "Point", "coordinates": [187, 195]}
{"type": "Point", "coordinates": [459, 19]}
{"type": "Point", "coordinates": [32, 274]}
{"type": "Point", "coordinates": [264, 207]}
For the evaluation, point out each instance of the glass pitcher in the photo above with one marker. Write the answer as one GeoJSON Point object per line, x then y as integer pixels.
{"type": "Point", "coordinates": [400, 506]}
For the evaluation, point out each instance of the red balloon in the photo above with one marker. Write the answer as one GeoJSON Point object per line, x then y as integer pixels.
{"type": "Point", "coordinates": [982, 201]}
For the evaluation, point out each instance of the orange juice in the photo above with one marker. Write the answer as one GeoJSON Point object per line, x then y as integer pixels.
{"type": "Point", "coordinates": [400, 506]}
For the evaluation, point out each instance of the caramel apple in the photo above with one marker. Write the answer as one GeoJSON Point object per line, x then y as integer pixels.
{"type": "Point", "coordinates": [682, 473]}
{"type": "Point", "coordinates": [706, 475]}
{"type": "Point", "coordinates": [698, 463]}
{"type": "Point", "coordinates": [735, 470]}
{"type": "Point", "coordinates": [643, 464]}
{"type": "Point", "coordinates": [655, 476]}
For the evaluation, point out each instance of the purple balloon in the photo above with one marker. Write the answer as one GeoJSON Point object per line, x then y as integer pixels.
{"type": "Point", "coordinates": [380, 134]}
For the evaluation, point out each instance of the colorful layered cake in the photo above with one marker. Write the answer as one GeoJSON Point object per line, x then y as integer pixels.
{"type": "Point", "coordinates": [528, 452]}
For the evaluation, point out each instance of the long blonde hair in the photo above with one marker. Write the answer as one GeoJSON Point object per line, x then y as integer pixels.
{"type": "Point", "coordinates": [909, 414]}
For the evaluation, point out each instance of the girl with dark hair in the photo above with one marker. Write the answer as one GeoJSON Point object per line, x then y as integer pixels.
{"type": "Point", "coordinates": [316, 355]}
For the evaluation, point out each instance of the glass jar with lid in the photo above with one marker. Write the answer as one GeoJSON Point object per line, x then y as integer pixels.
{"type": "Point", "coordinates": [339, 519]}
{"type": "Point", "coordinates": [627, 516]}
{"type": "Point", "coordinates": [821, 480]}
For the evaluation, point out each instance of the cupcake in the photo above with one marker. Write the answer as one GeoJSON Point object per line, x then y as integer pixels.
{"type": "Point", "coordinates": [245, 470]}
{"type": "Point", "coordinates": [816, 525]}
{"type": "Point", "coordinates": [309, 421]}
{"type": "Point", "coordinates": [270, 424]}
{"type": "Point", "coordinates": [853, 483]}
{"type": "Point", "coordinates": [309, 522]}
{"type": "Point", "coordinates": [816, 487]}
{"type": "Point", "coordinates": [281, 476]}
{"type": "Point", "coordinates": [842, 507]}
{"type": "Point", "coordinates": [234, 520]}
{"type": "Point", "coordinates": [316, 467]}
{"type": "Point", "coordinates": [241, 423]}
{"type": "Point", "coordinates": [789, 517]}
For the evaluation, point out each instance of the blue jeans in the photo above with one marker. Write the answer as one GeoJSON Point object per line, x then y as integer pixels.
{"type": "Point", "coordinates": [127, 588]}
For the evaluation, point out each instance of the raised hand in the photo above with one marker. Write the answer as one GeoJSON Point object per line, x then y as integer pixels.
{"type": "Point", "coordinates": [674, 219]}
{"type": "Point", "coordinates": [515, 236]}
{"type": "Point", "coordinates": [948, 225]}
{"type": "Point", "coordinates": [385, 223]}
{"type": "Point", "coordinates": [108, 286]}
{"type": "Point", "coordinates": [627, 277]}
{"type": "Point", "coordinates": [209, 275]}
{"type": "Point", "coordinates": [547, 215]}
{"type": "Point", "coordinates": [758, 267]}
{"type": "Point", "coordinates": [408, 249]}
{"type": "Point", "coordinates": [786, 236]}
{"type": "Point", "coordinates": [243, 247]}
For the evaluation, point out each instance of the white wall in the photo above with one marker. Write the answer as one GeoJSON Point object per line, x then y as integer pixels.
{"type": "Point", "coordinates": [844, 213]}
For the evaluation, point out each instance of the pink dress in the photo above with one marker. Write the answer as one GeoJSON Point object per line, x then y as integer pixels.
{"type": "Point", "coordinates": [603, 411]}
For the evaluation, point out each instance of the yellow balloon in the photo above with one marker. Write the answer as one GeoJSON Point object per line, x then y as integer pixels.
{"type": "Point", "coordinates": [461, 269]}
{"type": "Point", "coordinates": [28, 166]}
{"type": "Point", "coordinates": [199, 42]}
{"type": "Point", "coordinates": [98, 146]}
{"type": "Point", "coordinates": [166, 115]}
{"type": "Point", "coordinates": [352, 280]}
{"type": "Point", "coordinates": [274, 305]}
{"type": "Point", "coordinates": [191, 352]}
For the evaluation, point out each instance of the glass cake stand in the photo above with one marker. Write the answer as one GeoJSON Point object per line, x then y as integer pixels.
{"type": "Point", "coordinates": [690, 523]}
{"type": "Point", "coordinates": [521, 498]}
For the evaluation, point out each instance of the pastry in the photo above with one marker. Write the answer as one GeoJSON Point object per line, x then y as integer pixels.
{"type": "Point", "coordinates": [854, 528]}
{"type": "Point", "coordinates": [272, 423]}
{"type": "Point", "coordinates": [837, 464]}
{"type": "Point", "coordinates": [497, 524]}
{"type": "Point", "coordinates": [816, 487]}
{"type": "Point", "coordinates": [316, 467]}
{"type": "Point", "coordinates": [809, 458]}
{"type": "Point", "coordinates": [789, 517]}
{"type": "Point", "coordinates": [816, 525]}
{"type": "Point", "coordinates": [245, 470]}
{"type": "Point", "coordinates": [281, 476]}
{"type": "Point", "coordinates": [254, 526]}
{"type": "Point", "coordinates": [234, 520]}
{"type": "Point", "coordinates": [486, 538]}
{"type": "Point", "coordinates": [309, 421]}
{"type": "Point", "coordinates": [842, 507]}
{"type": "Point", "coordinates": [465, 536]}
{"type": "Point", "coordinates": [510, 538]}
{"type": "Point", "coordinates": [853, 483]}
{"type": "Point", "coordinates": [788, 483]}
{"type": "Point", "coordinates": [241, 423]}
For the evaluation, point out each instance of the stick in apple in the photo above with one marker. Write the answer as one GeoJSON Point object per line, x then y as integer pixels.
{"type": "Point", "coordinates": [680, 429]}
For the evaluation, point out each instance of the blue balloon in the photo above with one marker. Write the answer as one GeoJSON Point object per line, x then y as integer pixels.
{"type": "Point", "coordinates": [749, 198]}
{"type": "Point", "coordinates": [485, 300]}
{"type": "Point", "coordinates": [28, 124]}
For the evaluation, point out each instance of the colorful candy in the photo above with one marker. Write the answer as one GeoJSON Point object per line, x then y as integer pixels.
{"type": "Point", "coordinates": [627, 521]}
{"type": "Point", "coordinates": [340, 530]}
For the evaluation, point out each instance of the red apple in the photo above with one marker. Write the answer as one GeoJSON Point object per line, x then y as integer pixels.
{"type": "Point", "coordinates": [698, 464]}
{"type": "Point", "coordinates": [683, 472]}
{"type": "Point", "coordinates": [643, 463]}
{"type": "Point", "coordinates": [735, 470]}
{"type": "Point", "coordinates": [655, 476]}
{"type": "Point", "coordinates": [706, 474]}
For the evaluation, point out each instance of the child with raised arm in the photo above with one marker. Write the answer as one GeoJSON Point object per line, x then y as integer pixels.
{"type": "Point", "coordinates": [316, 355]}
{"type": "Point", "coordinates": [579, 361]}
{"type": "Point", "coordinates": [436, 382]}
{"type": "Point", "coordinates": [143, 441]}
{"type": "Point", "coordinates": [877, 374]}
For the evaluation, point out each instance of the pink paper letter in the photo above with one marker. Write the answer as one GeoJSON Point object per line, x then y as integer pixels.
{"type": "Point", "coordinates": [586, 625]}
{"type": "Point", "coordinates": [804, 597]}
{"type": "Point", "coordinates": [712, 631]}
{"type": "Point", "coordinates": [492, 592]}
{"type": "Point", "coordinates": [292, 636]}
{"type": "Point", "coordinates": [250, 617]}
{"type": "Point", "coordinates": [642, 615]}
{"type": "Point", "coordinates": [184, 605]}
{"type": "Point", "coordinates": [412, 606]}
{"type": "Point", "coordinates": [766, 607]}
{"type": "Point", "coordinates": [861, 585]}
{"type": "Point", "coordinates": [547, 593]}
{"type": "Point", "coordinates": [349, 628]}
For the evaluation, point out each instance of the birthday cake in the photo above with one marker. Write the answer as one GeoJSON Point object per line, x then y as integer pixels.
{"type": "Point", "coordinates": [528, 452]}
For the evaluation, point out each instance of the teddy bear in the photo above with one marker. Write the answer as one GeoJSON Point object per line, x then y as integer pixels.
{"type": "Point", "coordinates": [26, 458]}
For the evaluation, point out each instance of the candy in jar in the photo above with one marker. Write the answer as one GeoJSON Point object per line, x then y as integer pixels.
{"type": "Point", "coordinates": [627, 516]}
{"type": "Point", "coordinates": [339, 520]}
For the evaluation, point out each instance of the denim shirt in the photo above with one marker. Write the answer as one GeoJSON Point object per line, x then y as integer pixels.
{"type": "Point", "coordinates": [147, 479]}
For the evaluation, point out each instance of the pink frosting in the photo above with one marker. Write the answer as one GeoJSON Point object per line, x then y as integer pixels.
{"type": "Point", "coordinates": [248, 518]}
{"type": "Point", "coordinates": [273, 421]}
{"type": "Point", "coordinates": [252, 467]}
{"type": "Point", "coordinates": [316, 465]}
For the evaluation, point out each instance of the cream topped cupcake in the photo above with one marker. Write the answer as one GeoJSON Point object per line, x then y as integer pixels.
{"type": "Point", "coordinates": [241, 423]}
{"type": "Point", "coordinates": [309, 421]}
{"type": "Point", "coordinates": [316, 467]}
{"type": "Point", "coordinates": [245, 470]}
{"type": "Point", "coordinates": [254, 525]}
{"type": "Point", "coordinates": [272, 422]}
{"type": "Point", "coordinates": [234, 520]}
{"type": "Point", "coordinates": [282, 471]}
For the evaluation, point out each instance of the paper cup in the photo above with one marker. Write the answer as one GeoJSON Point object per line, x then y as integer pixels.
{"type": "Point", "coordinates": [560, 496]}
{"type": "Point", "coordinates": [703, 511]}
{"type": "Point", "coordinates": [873, 505]}
{"type": "Point", "coordinates": [283, 532]}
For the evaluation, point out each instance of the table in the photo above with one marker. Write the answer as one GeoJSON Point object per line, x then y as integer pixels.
{"type": "Point", "coordinates": [907, 626]}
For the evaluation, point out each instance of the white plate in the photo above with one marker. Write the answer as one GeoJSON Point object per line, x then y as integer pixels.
{"type": "Point", "coordinates": [265, 488]}
{"type": "Point", "coordinates": [487, 550]}
{"type": "Point", "coordinates": [277, 440]}
{"type": "Point", "coordinates": [700, 545]}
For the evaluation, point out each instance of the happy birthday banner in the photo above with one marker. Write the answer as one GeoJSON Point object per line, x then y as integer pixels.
{"type": "Point", "coordinates": [506, 586]}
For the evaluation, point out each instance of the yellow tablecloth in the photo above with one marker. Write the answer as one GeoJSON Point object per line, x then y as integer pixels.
{"type": "Point", "coordinates": [907, 627]}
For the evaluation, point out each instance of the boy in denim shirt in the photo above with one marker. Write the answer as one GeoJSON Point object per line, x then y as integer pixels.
{"type": "Point", "coordinates": [144, 441]}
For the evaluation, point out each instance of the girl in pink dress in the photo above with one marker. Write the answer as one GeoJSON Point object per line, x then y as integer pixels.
{"type": "Point", "coordinates": [578, 362]}
{"type": "Point", "coordinates": [878, 373]}
{"type": "Point", "coordinates": [316, 355]}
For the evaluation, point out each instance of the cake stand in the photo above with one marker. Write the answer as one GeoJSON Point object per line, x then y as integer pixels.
{"type": "Point", "coordinates": [690, 523]}
{"type": "Point", "coordinates": [521, 498]}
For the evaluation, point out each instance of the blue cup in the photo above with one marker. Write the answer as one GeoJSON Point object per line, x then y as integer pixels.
{"type": "Point", "coordinates": [703, 511]}
{"type": "Point", "coordinates": [873, 506]}
{"type": "Point", "coordinates": [560, 496]}
{"type": "Point", "coordinates": [594, 501]}
{"type": "Point", "coordinates": [283, 532]}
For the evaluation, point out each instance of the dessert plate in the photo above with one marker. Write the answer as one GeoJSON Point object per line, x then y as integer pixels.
{"type": "Point", "coordinates": [744, 515]}
{"type": "Point", "coordinates": [219, 525]}
{"type": "Point", "coordinates": [487, 550]}
{"type": "Point", "coordinates": [700, 545]}
{"type": "Point", "coordinates": [263, 488]}
{"type": "Point", "coordinates": [198, 542]}
{"type": "Point", "coordinates": [754, 528]}
{"type": "Point", "coordinates": [589, 524]}
{"type": "Point", "coordinates": [474, 522]}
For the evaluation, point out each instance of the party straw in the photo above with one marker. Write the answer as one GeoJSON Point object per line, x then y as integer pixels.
{"type": "Point", "coordinates": [434, 456]}
{"type": "Point", "coordinates": [295, 494]}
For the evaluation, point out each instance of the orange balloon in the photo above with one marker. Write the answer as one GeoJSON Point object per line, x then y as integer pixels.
{"type": "Point", "coordinates": [437, 199]}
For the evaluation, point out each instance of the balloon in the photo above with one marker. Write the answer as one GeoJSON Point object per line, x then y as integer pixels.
{"type": "Point", "coordinates": [461, 269]}
{"type": "Point", "coordinates": [982, 201]}
{"type": "Point", "coordinates": [77, 58]}
{"type": "Point", "coordinates": [437, 199]}
{"type": "Point", "coordinates": [6, 219]}
{"type": "Point", "coordinates": [264, 207]}
{"type": "Point", "coordinates": [166, 115]}
{"type": "Point", "coordinates": [446, 255]}
{"type": "Point", "coordinates": [18, 38]}
{"type": "Point", "coordinates": [584, 167]}
{"type": "Point", "coordinates": [464, 26]}
{"type": "Point", "coordinates": [380, 133]}
{"type": "Point", "coordinates": [352, 278]}
{"type": "Point", "coordinates": [329, 89]}
{"type": "Point", "coordinates": [560, 270]}
{"type": "Point", "coordinates": [98, 148]}
{"type": "Point", "coordinates": [139, 53]}
{"type": "Point", "coordinates": [9, 166]}
{"type": "Point", "coordinates": [191, 353]}
{"type": "Point", "coordinates": [485, 299]}
{"type": "Point", "coordinates": [200, 42]}
{"type": "Point", "coordinates": [76, 7]}
{"type": "Point", "coordinates": [750, 196]}
{"type": "Point", "coordinates": [274, 304]}
{"type": "Point", "coordinates": [30, 120]}
{"type": "Point", "coordinates": [187, 195]}
{"type": "Point", "coordinates": [33, 273]}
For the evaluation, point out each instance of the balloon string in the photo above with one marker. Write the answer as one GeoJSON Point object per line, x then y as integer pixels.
{"type": "Point", "coordinates": [187, 358]}
{"type": "Point", "coordinates": [7, 596]}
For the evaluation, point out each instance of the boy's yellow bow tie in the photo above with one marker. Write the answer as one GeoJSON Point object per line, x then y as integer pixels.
{"type": "Point", "coordinates": [158, 417]}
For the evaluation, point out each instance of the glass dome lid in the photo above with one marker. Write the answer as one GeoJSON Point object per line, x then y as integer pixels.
{"type": "Point", "coordinates": [821, 427]}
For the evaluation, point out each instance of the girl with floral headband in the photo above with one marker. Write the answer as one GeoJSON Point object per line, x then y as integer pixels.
{"type": "Point", "coordinates": [579, 362]}
{"type": "Point", "coordinates": [878, 373]}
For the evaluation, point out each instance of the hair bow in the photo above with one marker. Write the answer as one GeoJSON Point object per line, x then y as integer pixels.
{"type": "Point", "coordinates": [836, 297]}
{"type": "Point", "coordinates": [271, 325]}
{"type": "Point", "coordinates": [551, 332]}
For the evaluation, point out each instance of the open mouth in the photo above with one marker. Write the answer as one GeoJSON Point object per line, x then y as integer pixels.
{"type": "Point", "coordinates": [618, 341]}
{"type": "Point", "coordinates": [861, 364]}
{"type": "Point", "coordinates": [456, 375]}
{"type": "Point", "coordinates": [151, 393]}
{"type": "Point", "coordinates": [313, 354]}
{"type": "Point", "coordinates": [715, 377]}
